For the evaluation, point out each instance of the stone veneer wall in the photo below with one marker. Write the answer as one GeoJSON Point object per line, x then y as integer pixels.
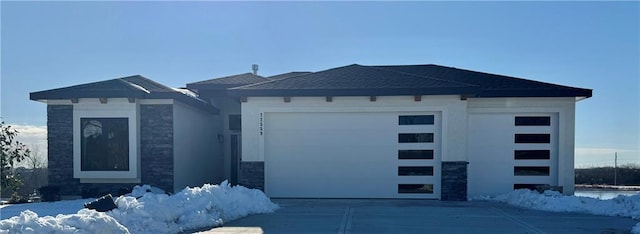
{"type": "Point", "coordinates": [60, 149]}
{"type": "Point", "coordinates": [252, 175]}
{"type": "Point", "coordinates": [156, 145]}
{"type": "Point", "coordinates": [454, 181]}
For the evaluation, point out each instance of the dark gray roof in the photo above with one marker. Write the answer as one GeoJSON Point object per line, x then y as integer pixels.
{"type": "Point", "coordinates": [227, 82]}
{"type": "Point", "coordinates": [126, 87]}
{"type": "Point", "coordinates": [288, 75]}
{"type": "Point", "coordinates": [358, 80]}
{"type": "Point", "coordinates": [493, 85]}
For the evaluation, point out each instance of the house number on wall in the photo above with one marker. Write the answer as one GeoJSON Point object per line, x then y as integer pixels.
{"type": "Point", "coordinates": [261, 123]}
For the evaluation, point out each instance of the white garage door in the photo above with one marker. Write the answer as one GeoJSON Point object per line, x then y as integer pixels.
{"type": "Point", "coordinates": [352, 155]}
{"type": "Point", "coordinates": [512, 150]}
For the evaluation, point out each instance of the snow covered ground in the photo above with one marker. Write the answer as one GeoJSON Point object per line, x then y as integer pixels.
{"type": "Point", "coordinates": [213, 205]}
{"type": "Point", "coordinates": [192, 208]}
{"type": "Point", "coordinates": [626, 206]}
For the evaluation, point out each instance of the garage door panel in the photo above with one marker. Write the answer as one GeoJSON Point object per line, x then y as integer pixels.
{"type": "Point", "coordinates": [342, 155]}
{"type": "Point", "coordinates": [337, 137]}
{"type": "Point", "coordinates": [493, 161]}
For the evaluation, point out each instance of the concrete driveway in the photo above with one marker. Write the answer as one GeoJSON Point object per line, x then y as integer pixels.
{"type": "Point", "coordinates": [417, 216]}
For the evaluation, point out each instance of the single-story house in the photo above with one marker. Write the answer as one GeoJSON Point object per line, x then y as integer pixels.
{"type": "Point", "coordinates": [407, 131]}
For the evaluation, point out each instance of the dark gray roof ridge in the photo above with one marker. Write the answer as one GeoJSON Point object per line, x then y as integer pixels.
{"type": "Point", "coordinates": [225, 77]}
{"type": "Point", "coordinates": [274, 80]}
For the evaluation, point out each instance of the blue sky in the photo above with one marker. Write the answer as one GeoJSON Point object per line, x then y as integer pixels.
{"type": "Point", "coordinates": [593, 45]}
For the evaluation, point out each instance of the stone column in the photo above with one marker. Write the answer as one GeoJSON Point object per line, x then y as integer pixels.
{"type": "Point", "coordinates": [252, 175]}
{"type": "Point", "coordinates": [156, 146]}
{"type": "Point", "coordinates": [60, 149]}
{"type": "Point", "coordinates": [454, 181]}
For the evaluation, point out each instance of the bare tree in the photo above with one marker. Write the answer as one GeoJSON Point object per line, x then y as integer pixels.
{"type": "Point", "coordinates": [35, 172]}
{"type": "Point", "coordinates": [35, 159]}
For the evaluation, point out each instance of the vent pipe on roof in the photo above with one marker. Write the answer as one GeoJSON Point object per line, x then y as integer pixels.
{"type": "Point", "coordinates": [254, 67]}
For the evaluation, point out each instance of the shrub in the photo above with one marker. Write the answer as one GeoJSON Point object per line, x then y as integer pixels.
{"type": "Point", "coordinates": [17, 199]}
{"type": "Point", "coordinates": [50, 193]}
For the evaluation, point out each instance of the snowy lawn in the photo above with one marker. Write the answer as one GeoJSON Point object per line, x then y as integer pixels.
{"type": "Point", "coordinates": [626, 206]}
{"type": "Point", "coordinates": [192, 208]}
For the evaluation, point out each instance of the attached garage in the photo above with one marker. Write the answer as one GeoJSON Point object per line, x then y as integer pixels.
{"type": "Point", "coordinates": [352, 154]}
{"type": "Point", "coordinates": [417, 131]}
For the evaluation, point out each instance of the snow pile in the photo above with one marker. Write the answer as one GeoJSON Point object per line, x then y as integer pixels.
{"type": "Point", "coordinates": [85, 221]}
{"type": "Point", "coordinates": [139, 191]}
{"type": "Point", "coordinates": [153, 212]}
{"type": "Point", "coordinates": [626, 206]}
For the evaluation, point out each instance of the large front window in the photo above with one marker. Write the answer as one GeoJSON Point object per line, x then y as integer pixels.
{"type": "Point", "coordinates": [104, 144]}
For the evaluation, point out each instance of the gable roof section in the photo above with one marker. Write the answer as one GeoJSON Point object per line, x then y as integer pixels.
{"type": "Point", "coordinates": [358, 80]}
{"type": "Point", "coordinates": [227, 82]}
{"type": "Point", "coordinates": [126, 87]}
{"type": "Point", "coordinates": [354, 80]}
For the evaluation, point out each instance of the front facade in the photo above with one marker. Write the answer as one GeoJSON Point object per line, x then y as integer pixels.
{"type": "Point", "coordinates": [422, 131]}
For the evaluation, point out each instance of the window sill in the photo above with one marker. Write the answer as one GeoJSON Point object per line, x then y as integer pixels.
{"type": "Point", "coordinates": [109, 180]}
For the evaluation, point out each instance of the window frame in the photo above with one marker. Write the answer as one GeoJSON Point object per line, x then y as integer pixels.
{"type": "Point", "coordinates": [115, 108]}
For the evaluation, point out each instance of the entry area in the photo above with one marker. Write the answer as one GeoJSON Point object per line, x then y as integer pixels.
{"type": "Point", "coordinates": [352, 154]}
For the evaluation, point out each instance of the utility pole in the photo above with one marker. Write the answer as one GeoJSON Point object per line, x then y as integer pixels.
{"type": "Point", "coordinates": [615, 170]}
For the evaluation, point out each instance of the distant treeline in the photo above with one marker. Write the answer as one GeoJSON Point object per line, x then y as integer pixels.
{"type": "Point", "coordinates": [628, 175]}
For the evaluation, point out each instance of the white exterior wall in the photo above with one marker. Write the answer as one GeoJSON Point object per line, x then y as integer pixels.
{"type": "Point", "coordinates": [196, 157]}
{"type": "Point", "coordinates": [491, 143]}
{"type": "Point", "coordinates": [452, 109]}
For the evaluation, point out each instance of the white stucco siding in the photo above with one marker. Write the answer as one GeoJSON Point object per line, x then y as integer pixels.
{"type": "Point", "coordinates": [491, 143]}
{"type": "Point", "coordinates": [197, 158]}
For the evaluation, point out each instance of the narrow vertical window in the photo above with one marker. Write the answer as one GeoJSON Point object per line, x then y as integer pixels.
{"type": "Point", "coordinates": [235, 122]}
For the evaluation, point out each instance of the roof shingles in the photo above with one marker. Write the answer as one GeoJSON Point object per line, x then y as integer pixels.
{"type": "Point", "coordinates": [228, 82]}
{"type": "Point", "coordinates": [355, 80]}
